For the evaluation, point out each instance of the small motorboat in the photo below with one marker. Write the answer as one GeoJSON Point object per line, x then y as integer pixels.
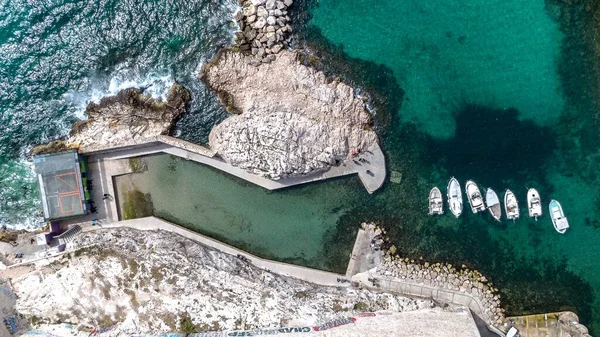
{"type": "Point", "coordinates": [474, 196]}
{"type": "Point", "coordinates": [436, 203]}
{"type": "Point", "coordinates": [493, 204]}
{"type": "Point", "coordinates": [511, 205]}
{"type": "Point", "coordinates": [455, 197]}
{"type": "Point", "coordinates": [558, 217]}
{"type": "Point", "coordinates": [534, 203]}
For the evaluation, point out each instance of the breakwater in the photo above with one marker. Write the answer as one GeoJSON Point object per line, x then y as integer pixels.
{"type": "Point", "coordinates": [445, 276]}
{"type": "Point", "coordinates": [435, 277]}
{"type": "Point", "coordinates": [264, 28]}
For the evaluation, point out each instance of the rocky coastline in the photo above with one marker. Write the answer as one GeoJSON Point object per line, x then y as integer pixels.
{"type": "Point", "coordinates": [288, 119]}
{"type": "Point", "coordinates": [133, 282]}
{"type": "Point", "coordinates": [126, 118]}
{"type": "Point", "coordinates": [264, 28]}
{"type": "Point", "coordinates": [439, 275]}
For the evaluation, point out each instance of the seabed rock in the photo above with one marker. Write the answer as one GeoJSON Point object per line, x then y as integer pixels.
{"type": "Point", "coordinates": [396, 177]}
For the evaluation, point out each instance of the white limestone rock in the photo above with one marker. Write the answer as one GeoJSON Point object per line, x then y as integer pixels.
{"type": "Point", "coordinates": [140, 282]}
{"type": "Point", "coordinates": [293, 121]}
{"type": "Point", "coordinates": [127, 118]}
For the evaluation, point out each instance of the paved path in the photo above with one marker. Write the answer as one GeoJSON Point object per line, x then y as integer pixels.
{"type": "Point", "coordinates": [303, 273]}
{"type": "Point", "coordinates": [298, 272]}
{"type": "Point", "coordinates": [410, 289]}
{"type": "Point", "coordinates": [313, 275]}
{"type": "Point", "coordinates": [363, 258]}
{"type": "Point", "coordinates": [373, 160]}
{"type": "Point", "coordinates": [102, 173]}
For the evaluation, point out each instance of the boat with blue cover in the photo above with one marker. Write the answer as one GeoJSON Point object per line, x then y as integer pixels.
{"type": "Point", "coordinates": [559, 220]}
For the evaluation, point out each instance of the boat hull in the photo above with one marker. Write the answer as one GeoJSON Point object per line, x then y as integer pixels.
{"type": "Point", "coordinates": [493, 204]}
{"type": "Point", "coordinates": [534, 203]}
{"type": "Point", "coordinates": [436, 203]}
{"type": "Point", "coordinates": [455, 197]}
{"type": "Point", "coordinates": [511, 205]}
{"type": "Point", "coordinates": [474, 197]}
{"type": "Point", "coordinates": [560, 222]}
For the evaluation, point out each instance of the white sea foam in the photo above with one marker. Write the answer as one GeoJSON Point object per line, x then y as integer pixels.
{"type": "Point", "coordinates": [29, 221]}
{"type": "Point", "coordinates": [157, 86]}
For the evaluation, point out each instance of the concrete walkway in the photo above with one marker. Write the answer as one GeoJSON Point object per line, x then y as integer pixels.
{"type": "Point", "coordinates": [365, 279]}
{"type": "Point", "coordinates": [363, 258]}
{"type": "Point", "coordinates": [318, 276]}
{"type": "Point", "coordinates": [373, 161]}
{"type": "Point", "coordinates": [409, 289]}
{"type": "Point", "coordinates": [298, 272]}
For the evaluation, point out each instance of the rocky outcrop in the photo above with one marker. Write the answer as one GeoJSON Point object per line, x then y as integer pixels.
{"type": "Point", "coordinates": [151, 281]}
{"type": "Point", "coordinates": [264, 28]}
{"type": "Point", "coordinates": [128, 117]}
{"type": "Point", "coordinates": [290, 119]}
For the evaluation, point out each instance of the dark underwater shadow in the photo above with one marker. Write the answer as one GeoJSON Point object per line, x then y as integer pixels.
{"type": "Point", "coordinates": [493, 146]}
{"type": "Point", "coordinates": [526, 286]}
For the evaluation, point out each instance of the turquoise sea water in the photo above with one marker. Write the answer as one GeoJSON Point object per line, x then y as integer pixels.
{"type": "Point", "coordinates": [55, 56]}
{"type": "Point", "coordinates": [497, 53]}
{"type": "Point", "coordinates": [499, 92]}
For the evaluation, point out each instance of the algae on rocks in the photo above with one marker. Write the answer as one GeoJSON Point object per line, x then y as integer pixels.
{"type": "Point", "coordinates": [130, 116]}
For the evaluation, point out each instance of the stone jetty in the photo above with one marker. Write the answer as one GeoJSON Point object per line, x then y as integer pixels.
{"type": "Point", "coordinates": [438, 275]}
{"type": "Point", "coordinates": [264, 28]}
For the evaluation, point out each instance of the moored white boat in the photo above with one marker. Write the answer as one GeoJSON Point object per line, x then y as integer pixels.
{"type": "Point", "coordinates": [455, 197]}
{"type": "Point", "coordinates": [511, 205]}
{"type": "Point", "coordinates": [493, 204]}
{"type": "Point", "coordinates": [474, 196]}
{"type": "Point", "coordinates": [436, 202]}
{"type": "Point", "coordinates": [560, 222]}
{"type": "Point", "coordinates": [534, 203]}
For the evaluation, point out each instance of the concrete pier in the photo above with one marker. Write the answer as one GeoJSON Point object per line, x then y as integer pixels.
{"type": "Point", "coordinates": [361, 269]}
{"type": "Point", "coordinates": [373, 161]}
{"type": "Point", "coordinates": [363, 258]}
{"type": "Point", "coordinates": [281, 268]}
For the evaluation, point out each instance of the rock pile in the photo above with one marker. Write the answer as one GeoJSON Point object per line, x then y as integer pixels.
{"type": "Point", "coordinates": [264, 28]}
{"type": "Point", "coordinates": [440, 275]}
